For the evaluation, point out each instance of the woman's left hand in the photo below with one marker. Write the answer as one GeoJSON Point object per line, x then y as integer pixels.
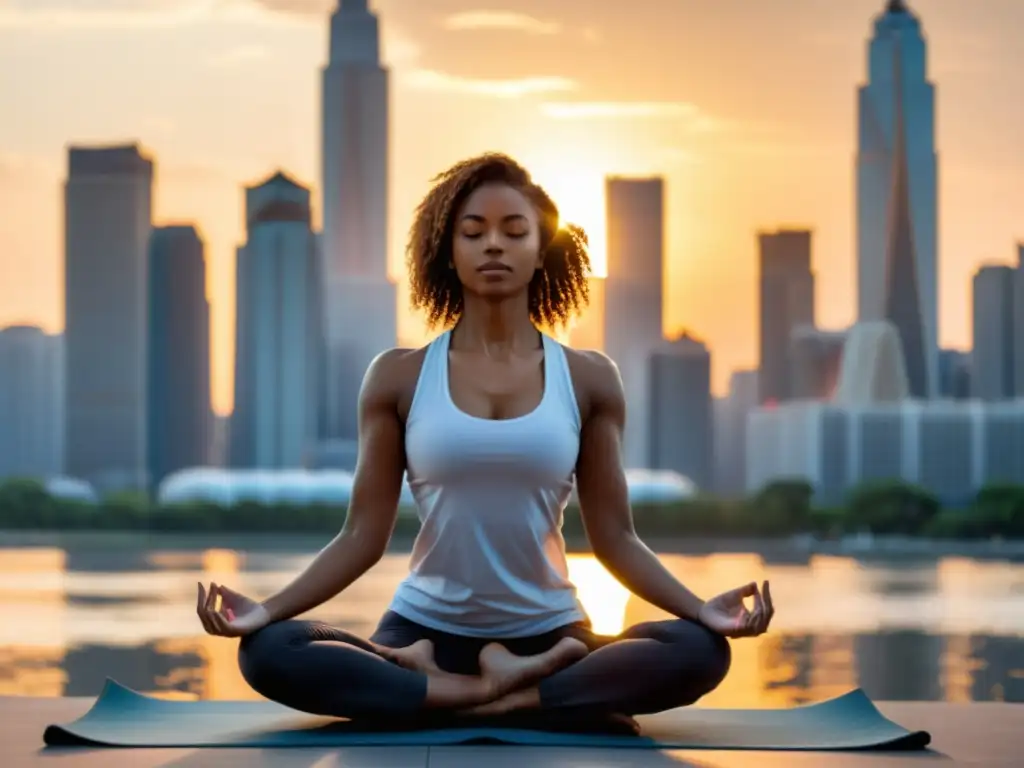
{"type": "Point", "coordinates": [727, 614]}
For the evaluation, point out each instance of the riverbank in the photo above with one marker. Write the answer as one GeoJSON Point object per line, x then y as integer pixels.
{"type": "Point", "coordinates": [794, 549]}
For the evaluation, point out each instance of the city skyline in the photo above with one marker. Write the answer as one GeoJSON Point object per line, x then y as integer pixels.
{"type": "Point", "coordinates": [724, 151]}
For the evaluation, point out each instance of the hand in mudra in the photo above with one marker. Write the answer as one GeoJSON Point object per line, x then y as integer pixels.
{"type": "Point", "coordinates": [227, 613]}
{"type": "Point", "coordinates": [727, 614]}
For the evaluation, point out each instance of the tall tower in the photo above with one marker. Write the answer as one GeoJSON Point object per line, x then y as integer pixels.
{"type": "Point", "coordinates": [786, 293]}
{"type": "Point", "coordinates": [897, 198]}
{"type": "Point", "coordinates": [277, 330]}
{"type": "Point", "coordinates": [178, 415]}
{"type": "Point", "coordinates": [635, 211]}
{"type": "Point", "coordinates": [681, 430]}
{"type": "Point", "coordinates": [108, 217]}
{"type": "Point", "coordinates": [360, 298]}
{"type": "Point", "coordinates": [992, 353]}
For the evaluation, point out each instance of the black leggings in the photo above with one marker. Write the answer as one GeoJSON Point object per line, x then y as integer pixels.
{"type": "Point", "coordinates": [316, 668]}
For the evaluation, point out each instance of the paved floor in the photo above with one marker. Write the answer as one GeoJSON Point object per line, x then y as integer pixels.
{"type": "Point", "coordinates": [962, 734]}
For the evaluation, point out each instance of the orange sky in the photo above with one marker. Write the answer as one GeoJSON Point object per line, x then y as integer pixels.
{"type": "Point", "coordinates": [747, 108]}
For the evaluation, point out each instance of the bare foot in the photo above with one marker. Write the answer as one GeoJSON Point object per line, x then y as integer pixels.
{"type": "Point", "coordinates": [527, 698]}
{"type": "Point", "coordinates": [508, 672]}
{"type": "Point", "coordinates": [418, 657]}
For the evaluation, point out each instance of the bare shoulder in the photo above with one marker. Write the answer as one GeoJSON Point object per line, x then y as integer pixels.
{"type": "Point", "coordinates": [391, 377]}
{"type": "Point", "coordinates": [595, 378]}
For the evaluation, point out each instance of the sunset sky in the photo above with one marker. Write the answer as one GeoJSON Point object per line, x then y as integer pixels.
{"type": "Point", "coordinates": [747, 107]}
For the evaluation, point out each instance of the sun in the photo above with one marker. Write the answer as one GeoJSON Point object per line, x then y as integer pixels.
{"type": "Point", "coordinates": [579, 195]}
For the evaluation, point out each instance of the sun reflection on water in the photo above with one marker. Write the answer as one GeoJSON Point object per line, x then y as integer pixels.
{"type": "Point", "coordinates": [949, 629]}
{"type": "Point", "coordinates": [603, 597]}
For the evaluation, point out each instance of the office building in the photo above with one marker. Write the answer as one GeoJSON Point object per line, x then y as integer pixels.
{"type": "Point", "coordinates": [897, 208]}
{"type": "Point", "coordinates": [31, 403]}
{"type": "Point", "coordinates": [1018, 324]}
{"type": "Point", "coordinates": [786, 302]}
{"type": "Point", "coordinates": [950, 448]}
{"type": "Point", "coordinates": [955, 374]}
{"type": "Point", "coordinates": [681, 429]}
{"type": "Point", "coordinates": [180, 420]}
{"type": "Point", "coordinates": [992, 357]}
{"type": "Point", "coordinates": [814, 361]}
{"type": "Point", "coordinates": [633, 297]}
{"type": "Point", "coordinates": [361, 309]}
{"type": "Point", "coordinates": [730, 442]}
{"type": "Point", "coordinates": [108, 217]}
{"type": "Point", "coordinates": [278, 330]}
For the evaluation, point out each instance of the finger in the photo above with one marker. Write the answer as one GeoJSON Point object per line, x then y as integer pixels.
{"type": "Point", "coordinates": [758, 621]}
{"type": "Point", "coordinates": [228, 595]}
{"type": "Point", "coordinates": [769, 605]}
{"type": "Point", "coordinates": [220, 624]}
{"type": "Point", "coordinates": [211, 597]}
{"type": "Point", "coordinates": [202, 612]}
{"type": "Point", "coordinates": [741, 592]}
{"type": "Point", "coordinates": [750, 626]}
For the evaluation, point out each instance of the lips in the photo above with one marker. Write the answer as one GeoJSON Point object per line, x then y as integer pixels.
{"type": "Point", "coordinates": [494, 266]}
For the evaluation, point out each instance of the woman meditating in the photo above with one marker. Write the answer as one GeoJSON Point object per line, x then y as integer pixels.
{"type": "Point", "coordinates": [492, 422]}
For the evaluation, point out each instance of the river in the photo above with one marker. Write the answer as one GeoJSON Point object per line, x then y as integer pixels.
{"type": "Point", "coordinates": [941, 628]}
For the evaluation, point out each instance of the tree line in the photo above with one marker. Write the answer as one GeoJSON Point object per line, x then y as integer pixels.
{"type": "Point", "coordinates": [780, 509]}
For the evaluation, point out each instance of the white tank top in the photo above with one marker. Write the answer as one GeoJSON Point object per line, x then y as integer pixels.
{"type": "Point", "coordinates": [489, 560]}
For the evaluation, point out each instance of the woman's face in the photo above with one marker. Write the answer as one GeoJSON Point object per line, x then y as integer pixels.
{"type": "Point", "coordinates": [496, 242]}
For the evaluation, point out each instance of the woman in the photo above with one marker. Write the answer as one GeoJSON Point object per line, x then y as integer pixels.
{"type": "Point", "coordinates": [493, 422]}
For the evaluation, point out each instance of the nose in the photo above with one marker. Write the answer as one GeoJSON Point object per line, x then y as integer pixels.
{"type": "Point", "coordinates": [493, 243]}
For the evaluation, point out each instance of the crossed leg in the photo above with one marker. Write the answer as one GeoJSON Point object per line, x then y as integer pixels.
{"type": "Point", "coordinates": [316, 668]}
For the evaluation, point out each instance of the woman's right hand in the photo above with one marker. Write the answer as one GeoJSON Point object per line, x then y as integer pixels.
{"type": "Point", "coordinates": [237, 615]}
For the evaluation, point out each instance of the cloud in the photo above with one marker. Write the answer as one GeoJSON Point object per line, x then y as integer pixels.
{"type": "Point", "coordinates": [58, 15]}
{"type": "Point", "coordinates": [433, 80]}
{"type": "Point", "coordinates": [696, 119]}
{"type": "Point", "coordinates": [520, 22]}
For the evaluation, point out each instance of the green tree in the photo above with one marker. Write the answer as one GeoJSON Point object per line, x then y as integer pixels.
{"type": "Point", "coordinates": [781, 507]}
{"type": "Point", "coordinates": [891, 507]}
{"type": "Point", "coordinates": [25, 503]}
{"type": "Point", "coordinates": [999, 509]}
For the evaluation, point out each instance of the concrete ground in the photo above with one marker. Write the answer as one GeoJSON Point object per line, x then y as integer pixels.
{"type": "Point", "coordinates": [962, 734]}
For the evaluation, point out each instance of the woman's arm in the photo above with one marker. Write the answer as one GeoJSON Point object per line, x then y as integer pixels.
{"type": "Point", "coordinates": [373, 508]}
{"type": "Point", "coordinates": [604, 496]}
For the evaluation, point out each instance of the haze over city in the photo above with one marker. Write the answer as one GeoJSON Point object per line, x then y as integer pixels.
{"type": "Point", "coordinates": [746, 109]}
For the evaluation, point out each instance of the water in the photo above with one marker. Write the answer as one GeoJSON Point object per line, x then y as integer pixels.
{"type": "Point", "coordinates": [949, 629]}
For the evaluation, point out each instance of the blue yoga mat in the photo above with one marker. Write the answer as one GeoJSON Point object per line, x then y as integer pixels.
{"type": "Point", "coordinates": [121, 717]}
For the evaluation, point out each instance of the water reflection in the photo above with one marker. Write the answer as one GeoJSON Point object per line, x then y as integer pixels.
{"type": "Point", "coordinates": [951, 629]}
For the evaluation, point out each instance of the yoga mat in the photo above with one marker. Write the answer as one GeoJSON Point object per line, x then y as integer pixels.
{"type": "Point", "coordinates": [123, 718]}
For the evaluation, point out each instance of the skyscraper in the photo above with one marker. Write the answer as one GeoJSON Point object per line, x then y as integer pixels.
{"type": "Point", "coordinates": [360, 307]}
{"type": "Point", "coordinates": [815, 356]}
{"type": "Point", "coordinates": [179, 419]}
{"type": "Point", "coordinates": [1018, 324]}
{"type": "Point", "coordinates": [897, 252]}
{"type": "Point", "coordinates": [31, 402]}
{"type": "Point", "coordinates": [992, 354]}
{"type": "Point", "coordinates": [681, 430]}
{"type": "Point", "coordinates": [786, 284]}
{"type": "Point", "coordinates": [633, 297]}
{"type": "Point", "coordinates": [730, 441]}
{"type": "Point", "coordinates": [108, 215]}
{"type": "Point", "coordinates": [278, 338]}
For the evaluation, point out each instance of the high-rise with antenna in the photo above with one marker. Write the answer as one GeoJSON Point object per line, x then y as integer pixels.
{"type": "Point", "coordinates": [897, 196]}
{"type": "Point", "coordinates": [360, 308]}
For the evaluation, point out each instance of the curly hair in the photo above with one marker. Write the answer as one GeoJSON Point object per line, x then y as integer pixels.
{"type": "Point", "coordinates": [557, 292]}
